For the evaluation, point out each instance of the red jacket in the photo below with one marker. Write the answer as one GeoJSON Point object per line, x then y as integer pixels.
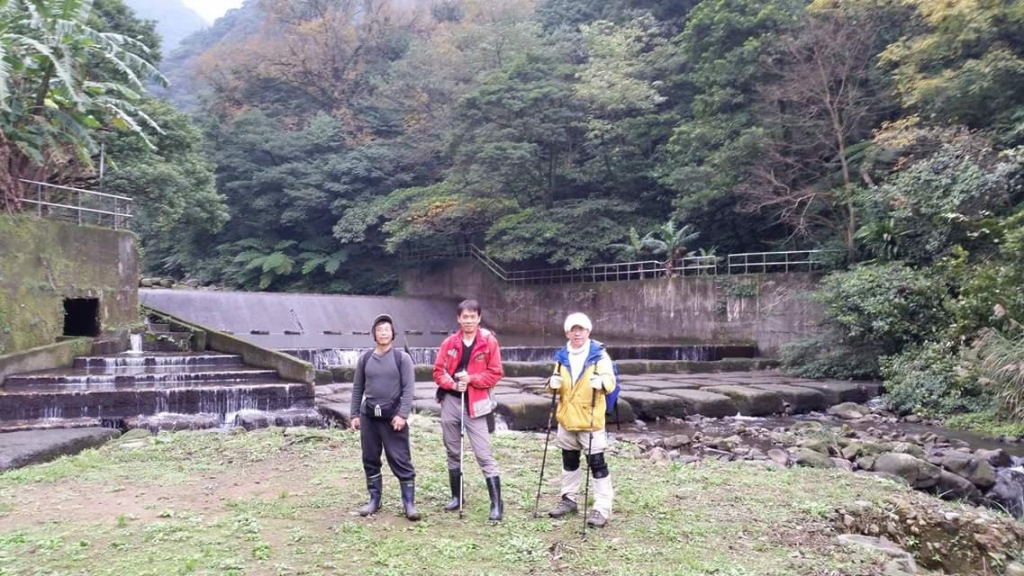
{"type": "Point", "coordinates": [484, 369]}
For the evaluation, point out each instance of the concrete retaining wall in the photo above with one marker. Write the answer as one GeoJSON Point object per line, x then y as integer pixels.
{"type": "Point", "coordinates": [59, 355]}
{"type": "Point", "coordinates": [42, 262]}
{"type": "Point", "coordinates": [765, 309]}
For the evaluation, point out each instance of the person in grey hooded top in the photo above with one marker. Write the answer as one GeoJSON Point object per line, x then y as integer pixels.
{"type": "Point", "coordinates": [382, 396]}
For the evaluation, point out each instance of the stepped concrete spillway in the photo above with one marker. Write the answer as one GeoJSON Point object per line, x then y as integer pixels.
{"type": "Point", "coordinates": [331, 330]}
{"type": "Point", "coordinates": [125, 386]}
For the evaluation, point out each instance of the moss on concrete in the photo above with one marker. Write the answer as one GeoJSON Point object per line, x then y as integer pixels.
{"type": "Point", "coordinates": [46, 261]}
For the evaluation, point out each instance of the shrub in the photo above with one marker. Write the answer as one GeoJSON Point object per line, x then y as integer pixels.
{"type": "Point", "coordinates": [932, 379]}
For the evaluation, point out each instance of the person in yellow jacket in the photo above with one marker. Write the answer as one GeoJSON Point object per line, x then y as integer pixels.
{"type": "Point", "coordinates": [583, 375]}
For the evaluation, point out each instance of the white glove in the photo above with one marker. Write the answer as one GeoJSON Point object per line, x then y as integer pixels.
{"type": "Point", "coordinates": [597, 382]}
{"type": "Point", "coordinates": [555, 382]}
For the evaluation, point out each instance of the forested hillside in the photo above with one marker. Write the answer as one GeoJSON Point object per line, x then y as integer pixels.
{"type": "Point", "coordinates": [174, 20]}
{"type": "Point", "coordinates": [326, 136]}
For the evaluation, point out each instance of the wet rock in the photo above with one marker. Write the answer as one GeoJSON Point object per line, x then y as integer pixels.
{"type": "Point", "coordinates": [917, 473]}
{"type": "Point", "coordinates": [953, 487]}
{"type": "Point", "coordinates": [806, 425]}
{"type": "Point", "coordinates": [658, 454]}
{"type": "Point", "coordinates": [783, 438]}
{"type": "Point", "coordinates": [813, 459]}
{"type": "Point", "coordinates": [814, 444]}
{"type": "Point", "coordinates": [912, 419]}
{"type": "Point", "coordinates": [885, 476]}
{"type": "Point", "coordinates": [978, 471]}
{"type": "Point", "coordinates": [908, 448]}
{"type": "Point", "coordinates": [866, 462]}
{"type": "Point", "coordinates": [997, 458]}
{"type": "Point", "coordinates": [843, 464]}
{"type": "Point", "coordinates": [848, 411]}
{"type": "Point", "coordinates": [779, 456]}
{"type": "Point", "coordinates": [677, 441]}
{"type": "Point", "coordinates": [855, 449]}
{"type": "Point", "coordinates": [1008, 491]}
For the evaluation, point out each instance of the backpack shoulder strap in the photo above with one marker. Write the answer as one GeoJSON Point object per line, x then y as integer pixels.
{"type": "Point", "coordinates": [398, 365]}
{"type": "Point", "coordinates": [363, 359]}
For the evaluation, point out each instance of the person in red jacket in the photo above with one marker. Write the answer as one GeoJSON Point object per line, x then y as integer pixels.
{"type": "Point", "coordinates": [468, 366]}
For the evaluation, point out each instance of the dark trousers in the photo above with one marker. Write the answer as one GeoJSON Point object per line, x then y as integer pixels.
{"type": "Point", "coordinates": [375, 435]}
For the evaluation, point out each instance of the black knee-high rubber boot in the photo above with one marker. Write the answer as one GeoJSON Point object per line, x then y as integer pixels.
{"type": "Point", "coordinates": [409, 499]}
{"type": "Point", "coordinates": [497, 506]}
{"type": "Point", "coordinates": [454, 479]}
{"type": "Point", "coordinates": [374, 485]}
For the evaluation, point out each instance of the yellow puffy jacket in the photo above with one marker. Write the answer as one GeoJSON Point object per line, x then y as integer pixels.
{"type": "Point", "coordinates": [578, 409]}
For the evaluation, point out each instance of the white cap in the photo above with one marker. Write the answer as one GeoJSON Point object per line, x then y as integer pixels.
{"type": "Point", "coordinates": [578, 319]}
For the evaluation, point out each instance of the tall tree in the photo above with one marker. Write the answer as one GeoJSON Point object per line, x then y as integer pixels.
{"type": "Point", "coordinates": [54, 93]}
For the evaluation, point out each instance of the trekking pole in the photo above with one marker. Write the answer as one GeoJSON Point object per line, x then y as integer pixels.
{"type": "Point", "coordinates": [590, 446]}
{"type": "Point", "coordinates": [462, 450]}
{"type": "Point", "coordinates": [544, 459]}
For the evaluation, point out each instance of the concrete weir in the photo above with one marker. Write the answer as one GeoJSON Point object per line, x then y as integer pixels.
{"type": "Point", "coordinates": [123, 386]}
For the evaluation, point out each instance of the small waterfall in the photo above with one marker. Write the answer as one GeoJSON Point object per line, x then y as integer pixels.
{"type": "Point", "coordinates": [136, 343]}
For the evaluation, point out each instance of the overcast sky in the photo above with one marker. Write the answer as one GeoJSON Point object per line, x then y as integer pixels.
{"type": "Point", "coordinates": [210, 10]}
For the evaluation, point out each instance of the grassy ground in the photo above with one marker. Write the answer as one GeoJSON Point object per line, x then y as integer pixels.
{"type": "Point", "coordinates": [273, 503]}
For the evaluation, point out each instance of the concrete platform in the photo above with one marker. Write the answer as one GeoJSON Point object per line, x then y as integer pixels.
{"type": "Point", "coordinates": [19, 449]}
{"type": "Point", "coordinates": [750, 401]}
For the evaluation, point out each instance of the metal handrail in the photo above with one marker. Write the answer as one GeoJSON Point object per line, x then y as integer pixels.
{"type": "Point", "coordinates": [90, 207]}
{"type": "Point", "coordinates": [764, 262]}
{"type": "Point", "coordinates": [641, 269]}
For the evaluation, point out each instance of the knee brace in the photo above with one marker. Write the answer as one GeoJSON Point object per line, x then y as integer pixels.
{"type": "Point", "coordinates": [570, 460]}
{"type": "Point", "coordinates": [598, 466]}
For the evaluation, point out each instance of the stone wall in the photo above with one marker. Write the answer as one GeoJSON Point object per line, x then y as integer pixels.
{"type": "Point", "coordinates": [42, 262]}
{"type": "Point", "coordinates": [766, 309]}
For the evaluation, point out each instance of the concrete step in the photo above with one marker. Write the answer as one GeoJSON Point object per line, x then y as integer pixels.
{"type": "Point", "coordinates": [88, 379]}
{"type": "Point", "coordinates": [114, 403]}
{"type": "Point", "coordinates": [157, 359]}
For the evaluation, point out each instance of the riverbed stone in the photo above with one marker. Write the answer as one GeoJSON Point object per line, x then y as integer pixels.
{"type": "Point", "coordinates": [997, 458]}
{"type": "Point", "coordinates": [677, 441]}
{"type": "Point", "coordinates": [707, 404]}
{"type": "Point", "coordinates": [848, 411]}
{"type": "Point", "coordinates": [954, 487]}
{"type": "Point", "coordinates": [917, 473]}
{"type": "Point", "coordinates": [750, 401]}
{"type": "Point", "coordinates": [800, 399]}
{"type": "Point", "coordinates": [979, 472]}
{"type": "Point", "coordinates": [779, 456]}
{"type": "Point", "coordinates": [909, 448]}
{"type": "Point", "coordinates": [812, 459]}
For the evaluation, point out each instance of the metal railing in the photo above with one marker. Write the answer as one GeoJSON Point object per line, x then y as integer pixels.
{"type": "Point", "coordinates": [765, 262]}
{"type": "Point", "coordinates": [78, 205]}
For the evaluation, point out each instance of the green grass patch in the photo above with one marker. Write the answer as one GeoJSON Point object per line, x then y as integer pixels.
{"type": "Point", "coordinates": [988, 423]}
{"type": "Point", "coordinates": [273, 503]}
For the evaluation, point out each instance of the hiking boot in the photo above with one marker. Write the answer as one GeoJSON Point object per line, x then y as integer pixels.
{"type": "Point", "coordinates": [566, 506]}
{"type": "Point", "coordinates": [374, 485]}
{"type": "Point", "coordinates": [455, 481]}
{"type": "Point", "coordinates": [596, 519]}
{"type": "Point", "coordinates": [409, 499]}
{"type": "Point", "coordinates": [497, 506]}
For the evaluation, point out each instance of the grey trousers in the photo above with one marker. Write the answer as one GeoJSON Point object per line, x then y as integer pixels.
{"type": "Point", "coordinates": [476, 430]}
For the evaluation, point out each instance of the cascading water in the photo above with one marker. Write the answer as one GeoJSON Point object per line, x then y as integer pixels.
{"type": "Point", "coordinates": [136, 343]}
